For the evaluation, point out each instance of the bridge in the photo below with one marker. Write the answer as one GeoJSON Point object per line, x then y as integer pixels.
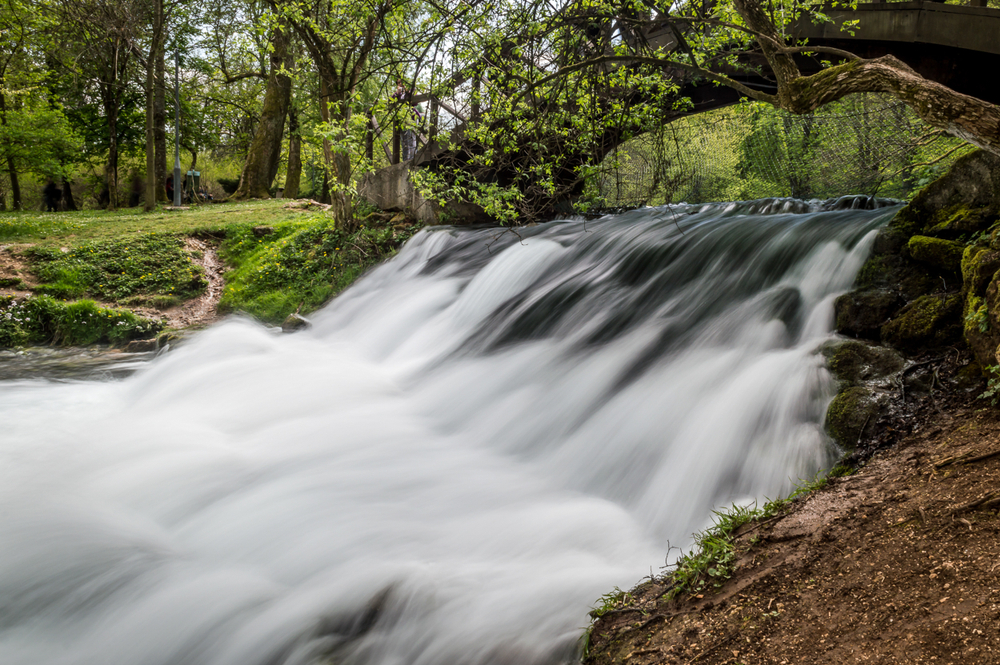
{"type": "Point", "coordinates": [955, 45]}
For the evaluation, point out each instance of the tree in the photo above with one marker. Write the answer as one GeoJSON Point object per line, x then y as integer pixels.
{"type": "Point", "coordinates": [265, 150]}
{"type": "Point", "coordinates": [559, 87]}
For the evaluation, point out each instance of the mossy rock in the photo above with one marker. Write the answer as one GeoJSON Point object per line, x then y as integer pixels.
{"type": "Point", "coordinates": [853, 411]}
{"type": "Point", "coordinates": [981, 319]}
{"type": "Point", "coordinates": [979, 265]}
{"type": "Point", "coordinates": [863, 313]}
{"type": "Point", "coordinates": [945, 255]}
{"type": "Point", "coordinates": [853, 361]}
{"type": "Point", "coordinates": [965, 196]}
{"type": "Point", "coordinates": [959, 220]}
{"type": "Point", "coordinates": [926, 323]}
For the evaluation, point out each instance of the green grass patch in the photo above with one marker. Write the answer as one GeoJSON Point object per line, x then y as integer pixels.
{"type": "Point", "coordinates": [298, 266]}
{"type": "Point", "coordinates": [146, 265]}
{"type": "Point", "coordinates": [45, 320]}
{"type": "Point", "coordinates": [54, 228]}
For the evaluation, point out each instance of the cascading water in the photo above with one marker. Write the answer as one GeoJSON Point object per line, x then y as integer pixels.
{"type": "Point", "coordinates": [467, 449]}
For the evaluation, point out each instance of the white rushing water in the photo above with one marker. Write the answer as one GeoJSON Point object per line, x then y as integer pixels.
{"type": "Point", "coordinates": [469, 448]}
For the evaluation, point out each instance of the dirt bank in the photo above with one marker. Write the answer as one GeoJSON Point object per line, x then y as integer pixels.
{"type": "Point", "coordinates": [898, 563]}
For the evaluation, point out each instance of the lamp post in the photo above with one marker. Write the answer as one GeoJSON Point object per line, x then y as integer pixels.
{"type": "Point", "coordinates": [177, 129]}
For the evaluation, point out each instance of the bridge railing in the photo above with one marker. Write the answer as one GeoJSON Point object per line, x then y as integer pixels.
{"type": "Point", "coordinates": [389, 137]}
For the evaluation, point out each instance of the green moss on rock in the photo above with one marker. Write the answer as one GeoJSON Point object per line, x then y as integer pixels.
{"type": "Point", "coordinates": [852, 411]}
{"type": "Point", "coordinates": [979, 265]}
{"type": "Point", "coordinates": [853, 361]}
{"type": "Point", "coordinates": [862, 313]}
{"type": "Point", "coordinates": [945, 255]}
{"type": "Point", "coordinates": [960, 219]}
{"type": "Point", "coordinates": [926, 323]}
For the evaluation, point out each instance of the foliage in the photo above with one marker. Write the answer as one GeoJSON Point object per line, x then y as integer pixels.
{"type": "Point", "coordinates": [45, 320]}
{"type": "Point", "coordinates": [114, 270]}
{"type": "Point", "coordinates": [298, 266]}
{"type": "Point", "coordinates": [992, 391]}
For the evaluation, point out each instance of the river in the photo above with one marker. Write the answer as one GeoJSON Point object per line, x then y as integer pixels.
{"type": "Point", "coordinates": [467, 449]}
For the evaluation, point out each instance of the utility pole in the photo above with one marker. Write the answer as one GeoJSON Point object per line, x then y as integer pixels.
{"type": "Point", "coordinates": [177, 129]}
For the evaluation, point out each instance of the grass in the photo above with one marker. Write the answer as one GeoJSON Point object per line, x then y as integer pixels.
{"type": "Point", "coordinates": [128, 271]}
{"type": "Point", "coordinates": [281, 260]}
{"type": "Point", "coordinates": [50, 228]}
{"type": "Point", "coordinates": [298, 266]}
{"type": "Point", "coordinates": [45, 320]}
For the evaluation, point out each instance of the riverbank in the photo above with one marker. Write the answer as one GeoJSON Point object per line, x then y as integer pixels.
{"type": "Point", "coordinates": [170, 270]}
{"type": "Point", "coordinates": [897, 563]}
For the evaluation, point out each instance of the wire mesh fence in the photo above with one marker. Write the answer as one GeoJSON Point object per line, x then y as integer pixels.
{"type": "Point", "coordinates": [867, 144]}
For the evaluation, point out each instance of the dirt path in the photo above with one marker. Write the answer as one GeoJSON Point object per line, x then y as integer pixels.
{"type": "Point", "coordinates": [202, 310]}
{"type": "Point", "coordinates": [895, 564]}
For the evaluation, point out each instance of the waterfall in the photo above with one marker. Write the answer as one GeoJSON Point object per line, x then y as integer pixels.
{"type": "Point", "coordinates": [465, 451]}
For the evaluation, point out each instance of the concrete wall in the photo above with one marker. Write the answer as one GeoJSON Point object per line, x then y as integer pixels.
{"type": "Point", "coordinates": [390, 189]}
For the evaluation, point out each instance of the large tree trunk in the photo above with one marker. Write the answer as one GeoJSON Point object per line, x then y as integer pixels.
{"type": "Point", "coordinates": [293, 174]}
{"type": "Point", "coordinates": [265, 149]}
{"type": "Point", "coordinates": [149, 201]}
{"type": "Point", "coordinates": [111, 167]}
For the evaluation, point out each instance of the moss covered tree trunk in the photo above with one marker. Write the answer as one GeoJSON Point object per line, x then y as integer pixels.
{"type": "Point", "coordinates": [265, 149]}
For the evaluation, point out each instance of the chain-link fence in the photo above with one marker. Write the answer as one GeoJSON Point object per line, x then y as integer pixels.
{"type": "Point", "coordinates": [867, 144]}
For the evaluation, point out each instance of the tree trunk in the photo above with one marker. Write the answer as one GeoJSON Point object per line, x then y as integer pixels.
{"type": "Point", "coordinates": [68, 202]}
{"type": "Point", "coordinates": [338, 163]}
{"type": "Point", "coordinates": [294, 172]}
{"type": "Point", "coordinates": [111, 167]}
{"type": "Point", "coordinates": [160, 122]}
{"type": "Point", "coordinates": [965, 117]}
{"type": "Point", "coordinates": [15, 184]}
{"type": "Point", "coordinates": [265, 149]}
{"type": "Point", "coordinates": [149, 200]}
{"type": "Point", "coordinates": [324, 115]}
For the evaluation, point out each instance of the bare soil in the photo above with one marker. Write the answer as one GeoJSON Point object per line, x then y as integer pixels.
{"type": "Point", "coordinates": [898, 563]}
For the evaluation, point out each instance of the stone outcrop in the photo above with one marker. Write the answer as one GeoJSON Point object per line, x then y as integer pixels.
{"type": "Point", "coordinates": [932, 283]}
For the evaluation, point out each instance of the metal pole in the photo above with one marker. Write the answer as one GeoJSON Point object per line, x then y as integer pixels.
{"type": "Point", "coordinates": [177, 129]}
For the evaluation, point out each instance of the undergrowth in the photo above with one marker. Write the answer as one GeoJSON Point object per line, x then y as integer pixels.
{"type": "Point", "coordinates": [142, 269]}
{"type": "Point", "coordinates": [45, 320]}
{"type": "Point", "coordinates": [298, 266]}
{"type": "Point", "coordinates": [712, 559]}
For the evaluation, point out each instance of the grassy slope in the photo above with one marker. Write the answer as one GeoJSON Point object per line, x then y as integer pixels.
{"type": "Point", "coordinates": [281, 260]}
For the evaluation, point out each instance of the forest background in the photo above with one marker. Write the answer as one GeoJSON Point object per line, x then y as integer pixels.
{"type": "Point", "coordinates": [284, 95]}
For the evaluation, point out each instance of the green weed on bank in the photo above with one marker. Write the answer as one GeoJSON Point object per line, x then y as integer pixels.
{"type": "Point", "coordinates": [131, 271]}
{"type": "Point", "coordinates": [44, 320]}
{"type": "Point", "coordinates": [298, 266]}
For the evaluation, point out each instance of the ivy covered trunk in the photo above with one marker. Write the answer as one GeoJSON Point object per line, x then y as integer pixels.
{"type": "Point", "coordinates": [265, 149]}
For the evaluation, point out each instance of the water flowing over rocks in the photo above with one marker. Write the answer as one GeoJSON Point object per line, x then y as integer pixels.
{"type": "Point", "coordinates": [464, 451]}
